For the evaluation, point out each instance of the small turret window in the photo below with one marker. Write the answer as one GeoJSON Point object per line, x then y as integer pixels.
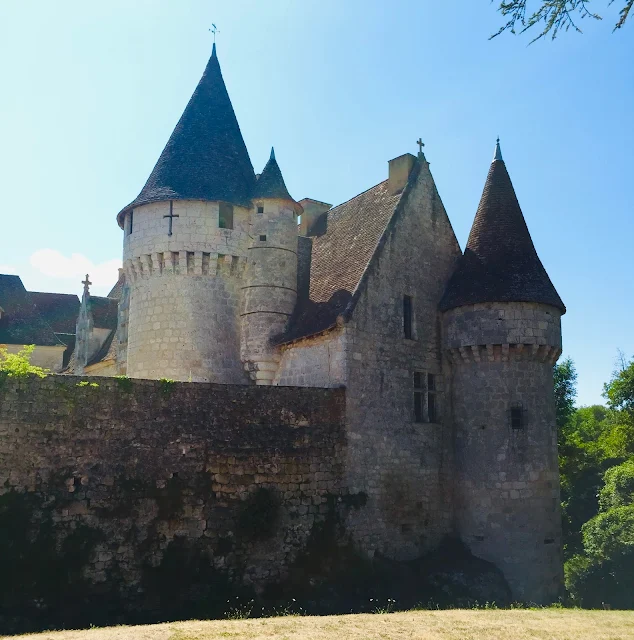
{"type": "Point", "coordinates": [517, 416]}
{"type": "Point", "coordinates": [130, 221]}
{"type": "Point", "coordinates": [262, 238]}
{"type": "Point", "coordinates": [225, 216]}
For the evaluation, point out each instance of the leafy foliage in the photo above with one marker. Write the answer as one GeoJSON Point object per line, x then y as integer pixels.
{"type": "Point", "coordinates": [597, 472]}
{"type": "Point", "coordinates": [618, 490]}
{"type": "Point", "coordinates": [565, 376]}
{"type": "Point", "coordinates": [552, 16]}
{"type": "Point", "coordinates": [18, 365]}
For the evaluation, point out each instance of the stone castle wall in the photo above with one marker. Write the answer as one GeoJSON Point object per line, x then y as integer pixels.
{"type": "Point", "coordinates": [269, 291]}
{"type": "Point", "coordinates": [405, 467]}
{"type": "Point", "coordinates": [184, 299]}
{"type": "Point", "coordinates": [241, 474]}
{"type": "Point", "coordinates": [507, 504]}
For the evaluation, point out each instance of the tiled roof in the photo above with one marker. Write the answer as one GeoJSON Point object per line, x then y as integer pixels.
{"type": "Point", "coordinates": [340, 256]}
{"type": "Point", "coordinates": [21, 322]}
{"type": "Point", "coordinates": [270, 183]}
{"type": "Point", "coordinates": [60, 310]}
{"type": "Point", "coordinates": [104, 312]}
{"type": "Point", "coordinates": [500, 263]}
{"type": "Point", "coordinates": [116, 291]}
{"type": "Point", "coordinates": [205, 157]}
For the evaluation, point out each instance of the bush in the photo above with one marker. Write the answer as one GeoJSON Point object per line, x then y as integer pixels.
{"type": "Point", "coordinates": [18, 365]}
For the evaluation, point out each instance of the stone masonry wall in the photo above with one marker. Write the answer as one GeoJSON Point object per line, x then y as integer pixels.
{"type": "Point", "coordinates": [507, 482]}
{"type": "Point", "coordinates": [184, 305]}
{"type": "Point", "coordinates": [404, 467]}
{"type": "Point", "coordinates": [241, 474]}
{"type": "Point", "coordinates": [318, 361]}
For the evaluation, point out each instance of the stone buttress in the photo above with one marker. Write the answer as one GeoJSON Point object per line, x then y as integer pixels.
{"type": "Point", "coordinates": [502, 335]}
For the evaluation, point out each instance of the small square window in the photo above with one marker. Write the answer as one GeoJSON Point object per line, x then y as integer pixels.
{"type": "Point", "coordinates": [260, 209]}
{"type": "Point", "coordinates": [225, 216]}
{"type": "Point", "coordinates": [262, 238]}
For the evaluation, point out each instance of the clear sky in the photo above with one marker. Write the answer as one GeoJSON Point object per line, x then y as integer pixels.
{"type": "Point", "coordinates": [92, 90]}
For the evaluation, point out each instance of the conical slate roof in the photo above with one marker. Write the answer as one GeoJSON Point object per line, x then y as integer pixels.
{"type": "Point", "coordinates": [270, 184]}
{"type": "Point", "coordinates": [205, 157]}
{"type": "Point", "coordinates": [500, 263]}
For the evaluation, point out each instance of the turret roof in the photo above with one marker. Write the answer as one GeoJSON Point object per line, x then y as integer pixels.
{"type": "Point", "coordinates": [500, 263]}
{"type": "Point", "coordinates": [270, 183]}
{"type": "Point", "coordinates": [205, 157]}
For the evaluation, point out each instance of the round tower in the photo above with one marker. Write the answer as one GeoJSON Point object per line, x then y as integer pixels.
{"type": "Point", "coordinates": [185, 244]}
{"type": "Point", "coordinates": [270, 287]}
{"type": "Point", "coordinates": [502, 335]}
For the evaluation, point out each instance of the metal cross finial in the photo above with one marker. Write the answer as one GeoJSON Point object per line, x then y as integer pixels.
{"type": "Point", "coordinates": [171, 217]}
{"type": "Point", "coordinates": [86, 284]}
{"type": "Point", "coordinates": [420, 144]}
{"type": "Point", "coordinates": [214, 30]}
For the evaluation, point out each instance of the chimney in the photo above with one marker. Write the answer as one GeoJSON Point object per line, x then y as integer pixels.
{"type": "Point", "coordinates": [399, 171]}
{"type": "Point", "coordinates": [312, 210]}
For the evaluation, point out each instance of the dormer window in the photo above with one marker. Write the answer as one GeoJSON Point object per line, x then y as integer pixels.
{"type": "Point", "coordinates": [260, 209]}
{"type": "Point", "coordinates": [225, 216]}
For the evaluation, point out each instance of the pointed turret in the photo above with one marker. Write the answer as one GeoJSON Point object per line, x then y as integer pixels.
{"type": "Point", "coordinates": [271, 184]}
{"type": "Point", "coordinates": [500, 263]}
{"type": "Point", "coordinates": [205, 157]}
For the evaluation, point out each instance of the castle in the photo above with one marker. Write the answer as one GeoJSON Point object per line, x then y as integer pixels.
{"type": "Point", "coordinates": [446, 357]}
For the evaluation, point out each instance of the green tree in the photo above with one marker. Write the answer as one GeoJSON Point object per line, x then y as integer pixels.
{"type": "Point", "coordinates": [605, 572]}
{"type": "Point", "coordinates": [619, 392]}
{"type": "Point", "coordinates": [618, 490]}
{"type": "Point", "coordinates": [552, 16]}
{"type": "Point", "coordinates": [565, 377]}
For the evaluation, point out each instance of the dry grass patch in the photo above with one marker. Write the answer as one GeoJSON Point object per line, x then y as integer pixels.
{"type": "Point", "coordinates": [546, 624]}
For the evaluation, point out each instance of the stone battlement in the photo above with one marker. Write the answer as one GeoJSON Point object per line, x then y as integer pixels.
{"type": "Point", "coordinates": [197, 263]}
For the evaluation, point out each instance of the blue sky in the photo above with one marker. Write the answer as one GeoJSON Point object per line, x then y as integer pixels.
{"type": "Point", "coordinates": [92, 91]}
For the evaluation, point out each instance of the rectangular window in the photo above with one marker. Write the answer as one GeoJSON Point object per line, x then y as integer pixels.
{"type": "Point", "coordinates": [262, 238]}
{"type": "Point", "coordinates": [517, 416]}
{"type": "Point", "coordinates": [419, 397]}
{"type": "Point", "coordinates": [407, 317]}
{"type": "Point", "coordinates": [432, 412]}
{"type": "Point", "coordinates": [131, 222]}
{"type": "Point", "coordinates": [426, 407]}
{"type": "Point", "coordinates": [260, 209]}
{"type": "Point", "coordinates": [225, 216]}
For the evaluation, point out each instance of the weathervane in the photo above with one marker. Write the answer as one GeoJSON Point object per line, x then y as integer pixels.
{"type": "Point", "coordinates": [214, 30]}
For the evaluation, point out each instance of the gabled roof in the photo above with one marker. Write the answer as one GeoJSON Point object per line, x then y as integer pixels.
{"type": "Point", "coordinates": [270, 183]}
{"type": "Point", "coordinates": [500, 263]}
{"type": "Point", "coordinates": [205, 157]}
{"type": "Point", "coordinates": [340, 256]}
{"type": "Point", "coordinates": [21, 322]}
{"type": "Point", "coordinates": [60, 310]}
{"type": "Point", "coordinates": [117, 290]}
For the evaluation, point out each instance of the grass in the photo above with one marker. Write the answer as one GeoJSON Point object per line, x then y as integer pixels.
{"type": "Point", "coordinates": [457, 624]}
